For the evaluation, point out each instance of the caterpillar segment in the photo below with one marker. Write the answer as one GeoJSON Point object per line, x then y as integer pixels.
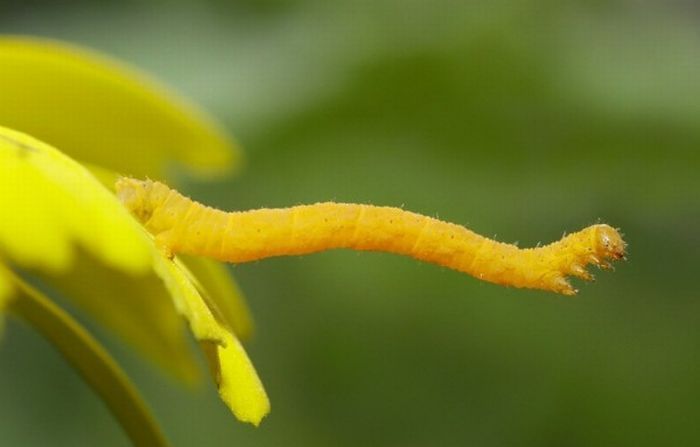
{"type": "Point", "coordinates": [181, 225]}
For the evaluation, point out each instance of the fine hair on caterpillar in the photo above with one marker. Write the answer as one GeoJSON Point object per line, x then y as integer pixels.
{"type": "Point", "coordinates": [181, 225]}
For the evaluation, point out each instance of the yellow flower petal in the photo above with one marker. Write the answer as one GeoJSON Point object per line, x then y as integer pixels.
{"type": "Point", "coordinates": [239, 385]}
{"type": "Point", "coordinates": [138, 309]}
{"type": "Point", "coordinates": [52, 203]}
{"type": "Point", "coordinates": [216, 284]}
{"type": "Point", "coordinates": [103, 112]}
{"type": "Point", "coordinates": [56, 204]}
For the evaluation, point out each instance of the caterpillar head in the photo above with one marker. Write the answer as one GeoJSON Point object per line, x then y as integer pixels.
{"type": "Point", "coordinates": [138, 196]}
{"type": "Point", "coordinates": [595, 245]}
{"type": "Point", "coordinates": [609, 244]}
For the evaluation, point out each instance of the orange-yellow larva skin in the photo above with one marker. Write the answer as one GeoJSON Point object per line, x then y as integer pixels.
{"type": "Point", "coordinates": [181, 225]}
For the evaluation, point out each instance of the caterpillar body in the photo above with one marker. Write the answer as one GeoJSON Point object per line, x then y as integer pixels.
{"type": "Point", "coordinates": [181, 225]}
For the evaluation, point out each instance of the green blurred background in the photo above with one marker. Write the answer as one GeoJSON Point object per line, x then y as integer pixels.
{"type": "Point", "coordinates": [520, 119]}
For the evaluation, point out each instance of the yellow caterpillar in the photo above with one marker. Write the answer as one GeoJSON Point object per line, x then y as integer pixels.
{"type": "Point", "coordinates": [181, 225]}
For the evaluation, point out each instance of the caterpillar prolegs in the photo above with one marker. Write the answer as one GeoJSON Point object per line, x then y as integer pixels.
{"type": "Point", "coordinates": [181, 225]}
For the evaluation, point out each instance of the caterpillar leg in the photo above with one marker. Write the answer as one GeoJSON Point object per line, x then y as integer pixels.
{"type": "Point", "coordinates": [596, 245]}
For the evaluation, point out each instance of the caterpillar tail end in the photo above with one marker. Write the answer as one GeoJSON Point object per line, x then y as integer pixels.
{"type": "Point", "coordinates": [133, 194]}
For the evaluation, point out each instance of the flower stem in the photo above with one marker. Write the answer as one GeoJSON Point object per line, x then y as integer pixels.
{"type": "Point", "coordinates": [92, 361]}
